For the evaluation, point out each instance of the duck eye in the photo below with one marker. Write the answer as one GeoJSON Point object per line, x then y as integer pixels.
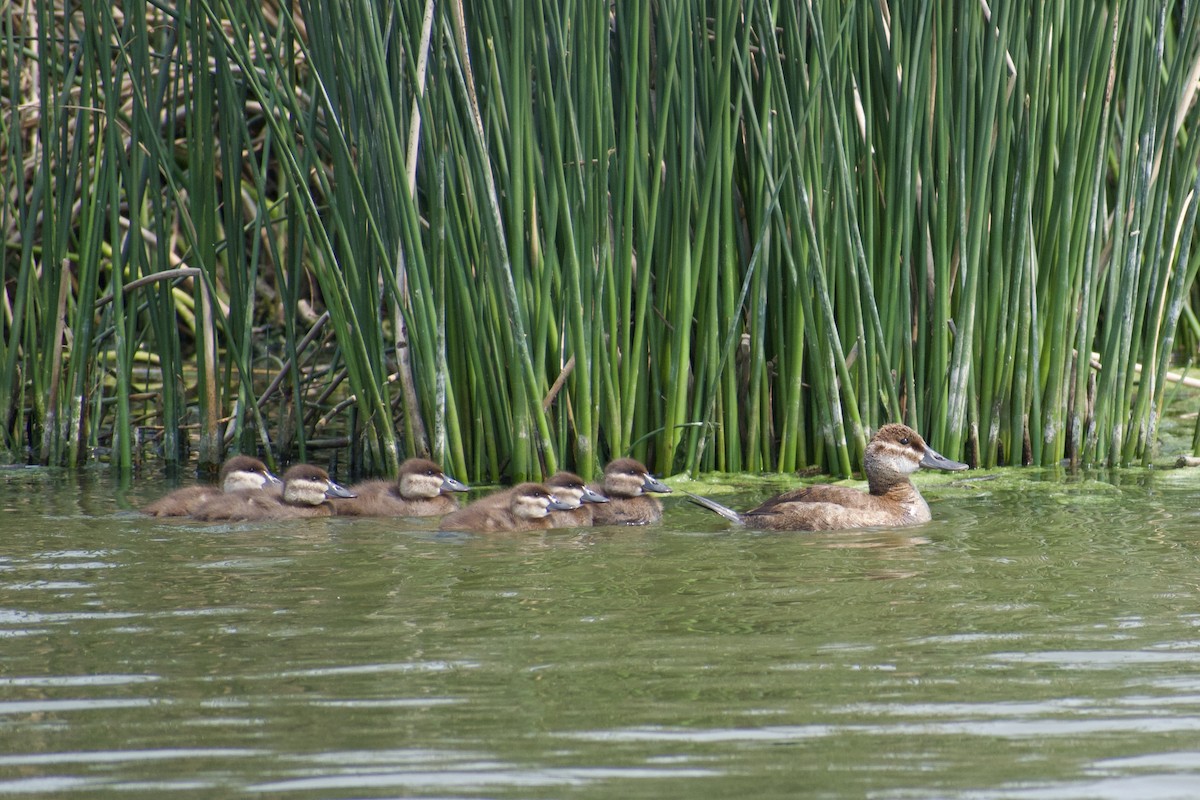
{"type": "Point", "coordinates": [904, 440]}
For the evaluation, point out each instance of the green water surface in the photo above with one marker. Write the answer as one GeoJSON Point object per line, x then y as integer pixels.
{"type": "Point", "coordinates": [1039, 639]}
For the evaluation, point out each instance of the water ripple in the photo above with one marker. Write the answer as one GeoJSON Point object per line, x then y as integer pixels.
{"type": "Point", "coordinates": [398, 702]}
{"type": "Point", "coordinates": [48, 785]}
{"type": "Point", "coordinates": [120, 756]}
{"type": "Point", "coordinates": [54, 706]}
{"type": "Point", "coordinates": [1184, 760]}
{"type": "Point", "coordinates": [1099, 659]}
{"type": "Point", "coordinates": [13, 616]}
{"type": "Point", "coordinates": [996, 728]}
{"type": "Point", "coordinates": [487, 774]}
{"type": "Point", "coordinates": [1148, 787]}
{"type": "Point", "coordinates": [369, 669]}
{"type": "Point", "coordinates": [46, 585]}
{"type": "Point", "coordinates": [78, 680]}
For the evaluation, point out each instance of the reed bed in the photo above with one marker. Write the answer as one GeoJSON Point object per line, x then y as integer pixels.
{"type": "Point", "coordinates": [521, 237]}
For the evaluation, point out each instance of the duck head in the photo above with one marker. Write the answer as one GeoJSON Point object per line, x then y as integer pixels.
{"type": "Point", "coordinates": [627, 477]}
{"type": "Point", "coordinates": [306, 484]}
{"type": "Point", "coordinates": [534, 501]}
{"type": "Point", "coordinates": [420, 477]}
{"type": "Point", "coordinates": [897, 451]}
{"type": "Point", "coordinates": [570, 490]}
{"type": "Point", "coordinates": [246, 472]}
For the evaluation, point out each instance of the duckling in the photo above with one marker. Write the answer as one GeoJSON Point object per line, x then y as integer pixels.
{"type": "Point", "coordinates": [894, 453]}
{"type": "Point", "coordinates": [529, 507]}
{"type": "Point", "coordinates": [237, 473]}
{"type": "Point", "coordinates": [420, 490]}
{"type": "Point", "coordinates": [305, 491]}
{"type": "Point", "coordinates": [570, 490]}
{"type": "Point", "coordinates": [578, 498]}
{"type": "Point", "coordinates": [626, 482]}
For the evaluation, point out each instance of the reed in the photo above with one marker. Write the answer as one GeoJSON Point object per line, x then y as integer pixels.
{"type": "Point", "coordinates": [525, 237]}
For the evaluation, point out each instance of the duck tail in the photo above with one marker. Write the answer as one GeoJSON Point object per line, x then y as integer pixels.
{"type": "Point", "coordinates": [716, 508]}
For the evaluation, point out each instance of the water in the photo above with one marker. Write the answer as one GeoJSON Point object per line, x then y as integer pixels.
{"type": "Point", "coordinates": [1039, 639]}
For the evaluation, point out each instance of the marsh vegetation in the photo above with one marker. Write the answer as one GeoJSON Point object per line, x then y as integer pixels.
{"type": "Point", "coordinates": [524, 237]}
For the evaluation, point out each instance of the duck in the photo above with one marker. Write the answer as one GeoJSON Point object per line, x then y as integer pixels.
{"type": "Point", "coordinates": [421, 489]}
{"type": "Point", "coordinates": [570, 490]}
{"type": "Point", "coordinates": [626, 482]}
{"type": "Point", "coordinates": [894, 453]}
{"type": "Point", "coordinates": [528, 508]}
{"type": "Point", "coordinates": [306, 491]}
{"type": "Point", "coordinates": [579, 499]}
{"type": "Point", "coordinates": [238, 473]}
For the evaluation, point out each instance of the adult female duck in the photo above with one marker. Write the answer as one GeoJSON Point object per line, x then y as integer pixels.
{"type": "Point", "coordinates": [894, 453]}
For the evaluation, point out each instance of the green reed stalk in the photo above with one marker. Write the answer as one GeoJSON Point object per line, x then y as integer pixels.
{"type": "Point", "coordinates": [164, 299]}
{"type": "Point", "coordinates": [750, 373]}
{"type": "Point", "coordinates": [1173, 218]}
{"type": "Point", "coordinates": [933, 304]}
{"type": "Point", "coordinates": [972, 183]}
{"type": "Point", "coordinates": [582, 131]}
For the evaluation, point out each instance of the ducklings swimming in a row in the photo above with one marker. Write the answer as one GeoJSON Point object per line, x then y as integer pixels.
{"type": "Point", "coordinates": [305, 493]}
{"type": "Point", "coordinates": [622, 498]}
{"type": "Point", "coordinates": [249, 491]}
{"type": "Point", "coordinates": [237, 473]}
{"type": "Point", "coordinates": [422, 489]}
{"type": "Point", "coordinates": [526, 507]}
{"type": "Point", "coordinates": [565, 501]}
{"type": "Point", "coordinates": [568, 489]}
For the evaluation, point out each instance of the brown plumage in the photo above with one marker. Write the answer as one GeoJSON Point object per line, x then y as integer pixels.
{"type": "Point", "coordinates": [237, 474]}
{"type": "Point", "coordinates": [626, 482]}
{"type": "Point", "coordinates": [529, 507]}
{"type": "Point", "coordinates": [894, 453]}
{"type": "Point", "coordinates": [421, 489]}
{"type": "Point", "coordinates": [306, 489]}
{"type": "Point", "coordinates": [569, 489]}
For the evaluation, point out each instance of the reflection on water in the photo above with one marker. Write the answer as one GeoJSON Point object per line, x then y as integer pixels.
{"type": "Point", "coordinates": [1039, 639]}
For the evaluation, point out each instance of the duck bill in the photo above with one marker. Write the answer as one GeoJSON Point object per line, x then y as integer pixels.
{"type": "Point", "coordinates": [557, 505]}
{"type": "Point", "coordinates": [271, 479]}
{"type": "Point", "coordinates": [451, 485]}
{"type": "Point", "coordinates": [337, 490]}
{"type": "Point", "coordinates": [935, 460]}
{"type": "Point", "coordinates": [592, 496]}
{"type": "Point", "coordinates": [653, 484]}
